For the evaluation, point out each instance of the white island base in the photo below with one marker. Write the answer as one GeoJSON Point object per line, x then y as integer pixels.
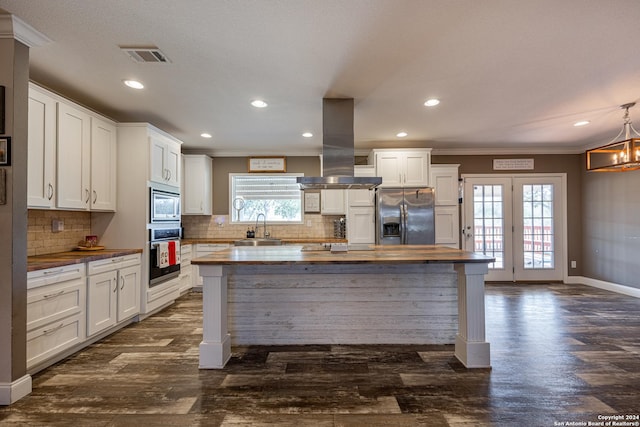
{"type": "Point", "coordinates": [336, 303]}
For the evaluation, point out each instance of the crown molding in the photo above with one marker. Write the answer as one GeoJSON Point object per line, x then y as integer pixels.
{"type": "Point", "coordinates": [12, 27]}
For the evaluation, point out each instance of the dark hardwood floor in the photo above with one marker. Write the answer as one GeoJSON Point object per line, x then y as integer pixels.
{"type": "Point", "coordinates": [561, 354]}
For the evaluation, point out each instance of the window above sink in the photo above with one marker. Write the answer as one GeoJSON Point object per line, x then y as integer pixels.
{"type": "Point", "coordinates": [278, 196]}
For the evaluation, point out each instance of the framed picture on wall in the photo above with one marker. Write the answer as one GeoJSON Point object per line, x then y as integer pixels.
{"type": "Point", "coordinates": [5, 151]}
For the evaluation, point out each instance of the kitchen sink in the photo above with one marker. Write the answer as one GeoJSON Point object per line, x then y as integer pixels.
{"type": "Point", "coordinates": [258, 242]}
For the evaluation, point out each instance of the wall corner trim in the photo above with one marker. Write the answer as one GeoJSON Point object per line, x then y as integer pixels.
{"type": "Point", "coordinates": [12, 392]}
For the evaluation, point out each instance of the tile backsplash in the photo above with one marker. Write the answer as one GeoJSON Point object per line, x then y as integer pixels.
{"type": "Point", "coordinates": [218, 227]}
{"type": "Point", "coordinates": [42, 240]}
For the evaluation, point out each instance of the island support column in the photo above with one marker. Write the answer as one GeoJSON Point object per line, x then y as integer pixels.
{"type": "Point", "coordinates": [215, 348]}
{"type": "Point", "coordinates": [471, 348]}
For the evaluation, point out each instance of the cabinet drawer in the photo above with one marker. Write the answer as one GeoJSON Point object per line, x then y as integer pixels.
{"type": "Point", "coordinates": [51, 303]}
{"type": "Point", "coordinates": [48, 341]}
{"type": "Point", "coordinates": [110, 264]}
{"type": "Point", "coordinates": [36, 279]}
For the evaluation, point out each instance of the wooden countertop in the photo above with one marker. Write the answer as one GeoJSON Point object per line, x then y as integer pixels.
{"type": "Point", "coordinates": [283, 255]}
{"type": "Point", "coordinates": [60, 259]}
{"type": "Point", "coordinates": [286, 241]}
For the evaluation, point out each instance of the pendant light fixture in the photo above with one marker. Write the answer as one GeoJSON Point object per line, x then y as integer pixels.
{"type": "Point", "coordinates": [618, 155]}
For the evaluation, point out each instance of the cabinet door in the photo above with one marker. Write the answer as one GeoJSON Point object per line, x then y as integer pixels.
{"type": "Point", "coordinates": [361, 197]}
{"type": "Point", "coordinates": [74, 158]}
{"type": "Point", "coordinates": [447, 226]}
{"type": "Point", "coordinates": [173, 164]}
{"type": "Point", "coordinates": [103, 165]}
{"type": "Point", "coordinates": [196, 196]}
{"type": "Point", "coordinates": [333, 202]}
{"type": "Point", "coordinates": [128, 292]}
{"type": "Point", "coordinates": [444, 178]}
{"type": "Point", "coordinates": [415, 169]}
{"type": "Point", "coordinates": [41, 167]}
{"type": "Point", "coordinates": [102, 292]}
{"type": "Point", "coordinates": [389, 167]}
{"type": "Point", "coordinates": [361, 225]}
{"type": "Point", "coordinates": [158, 155]}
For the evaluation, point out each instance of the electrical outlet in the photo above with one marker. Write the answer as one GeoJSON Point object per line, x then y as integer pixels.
{"type": "Point", "coordinates": [574, 264]}
{"type": "Point", "coordinates": [57, 225]}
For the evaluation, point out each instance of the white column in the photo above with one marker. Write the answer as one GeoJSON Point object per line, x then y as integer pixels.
{"type": "Point", "coordinates": [215, 348]}
{"type": "Point", "coordinates": [471, 348]}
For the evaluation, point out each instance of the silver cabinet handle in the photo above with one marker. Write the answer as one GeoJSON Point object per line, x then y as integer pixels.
{"type": "Point", "coordinates": [52, 330]}
{"type": "Point", "coordinates": [95, 196]}
{"type": "Point", "coordinates": [169, 174]}
{"type": "Point", "coordinates": [59, 270]}
{"type": "Point", "coordinates": [50, 192]}
{"type": "Point", "coordinates": [49, 296]}
{"type": "Point", "coordinates": [87, 194]}
{"type": "Point", "coordinates": [122, 286]}
{"type": "Point", "coordinates": [115, 288]}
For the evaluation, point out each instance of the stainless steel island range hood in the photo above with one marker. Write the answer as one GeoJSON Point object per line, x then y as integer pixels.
{"type": "Point", "coordinates": [337, 150]}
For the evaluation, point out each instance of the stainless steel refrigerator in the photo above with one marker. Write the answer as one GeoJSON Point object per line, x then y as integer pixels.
{"type": "Point", "coordinates": [405, 216]}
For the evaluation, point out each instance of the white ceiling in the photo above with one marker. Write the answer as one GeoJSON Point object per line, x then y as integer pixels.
{"type": "Point", "coordinates": [513, 76]}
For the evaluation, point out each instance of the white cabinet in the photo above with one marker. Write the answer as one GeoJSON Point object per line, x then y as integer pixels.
{"type": "Point", "coordinates": [113, 292]}
{"type": "Point", "coordinates": [402, 168]}
{"type": "Point", "coordinates": [186, 269]}
{"type": "Point", "coordinates": [361, 211]}
{"type": "Point", "coordinates": [361, 225]}
{"type": "Point", "coordinates": [74, 158]}
{"type": "Point", "coordinates": [445, 182]}
{"type": "Point", "coordinates": [56, 303]}
{"type": "Point", "coordinates": [72, 155]}
{"type": "Point", "coordinates": [332, 202]}
{"type": "Point", "coordinates": [197, 185]}
{"type": "Point", "coordinates": [41, 167]}
{"type": "Point", "coordinates": [165, 160]}
{"type": "Point", "coordinates": [103, 165]}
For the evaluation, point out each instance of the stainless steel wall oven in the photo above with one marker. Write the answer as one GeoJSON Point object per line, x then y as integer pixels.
{"type": "Point", "coordinates": [163, 267]}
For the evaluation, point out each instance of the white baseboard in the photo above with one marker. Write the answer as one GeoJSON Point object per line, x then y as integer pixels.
{"type": "Point", "coordinates": [613, 287]}
{"type": "Point", "coordinates": [12, 392]}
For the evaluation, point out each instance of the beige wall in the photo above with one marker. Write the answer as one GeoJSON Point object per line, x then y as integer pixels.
{"type": "Point", "coordinates": [223, 166]}
{"type": "Point", "coordinates": [571, 164]}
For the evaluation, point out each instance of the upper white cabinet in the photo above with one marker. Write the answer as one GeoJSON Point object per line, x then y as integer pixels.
{"type": "Point", "coordinates": [165, 160]}
{"type": "Point", "coordinates": [72, 155]}
{"type": "Point", "coordinates": [103, 165]}
{"type": "Point", "coordinates": [402, 168]}
{"type": "Point", "coordinates": [332, 202]}
{"type": "Point", "coordinates": [361, 211]}
{"type": "Point", "coordinates": [74, 158]}
{"type": "Point", "coordinates": [41, 168]}
{"type": "Point", "coordinates": [197, 185]}
{"type": "Point", "coordinates": [444, 178]}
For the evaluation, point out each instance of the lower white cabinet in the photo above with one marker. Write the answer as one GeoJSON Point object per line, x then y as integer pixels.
{"type": "Point", "coordinates": [113, 292]}
{"type": "Point", "coordinates": [447, 228]}
{"type": "Point", "coordinates": [186, 269]}
{"type": "Point", "coordinates": [56, 301]}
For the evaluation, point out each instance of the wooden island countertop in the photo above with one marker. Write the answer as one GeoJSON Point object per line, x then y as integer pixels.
{"type": "Point", "coordinates": [295, 254]}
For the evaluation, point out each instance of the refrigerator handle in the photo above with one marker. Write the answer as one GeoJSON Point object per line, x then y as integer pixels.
{"type": "Point", "coordinates": [403, 224]}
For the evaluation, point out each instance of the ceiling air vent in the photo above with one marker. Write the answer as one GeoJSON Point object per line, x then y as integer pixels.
{"type": "Point", "coordinates": [145, 54]}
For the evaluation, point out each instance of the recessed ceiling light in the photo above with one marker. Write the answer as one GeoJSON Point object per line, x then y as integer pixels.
{"type": "Point", "coordinates": [582, 123]}
{"type": "Point", "coordinates": [307, 134]}
{"type": "Point", "coordinates": [258, 103]}
{"type": "Point", "coordinates": [205, 135]}
{"type": "Point", "coordinates": [431, 102]}
{"type": "Point", "coordinates": [134, 84]}
{"type": "Point", "coordinates": [401, 134]}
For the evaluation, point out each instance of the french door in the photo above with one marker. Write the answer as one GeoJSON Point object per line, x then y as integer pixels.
{"type": "Point", "coordinates": [518, 220]}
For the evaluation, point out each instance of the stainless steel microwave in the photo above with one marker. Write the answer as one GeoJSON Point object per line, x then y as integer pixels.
{"type": "Point", "coordinates": [165, 206]}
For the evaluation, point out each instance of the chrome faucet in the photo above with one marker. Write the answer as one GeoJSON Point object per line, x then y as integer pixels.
{"type": "Point", "coordinates": [266, 234]}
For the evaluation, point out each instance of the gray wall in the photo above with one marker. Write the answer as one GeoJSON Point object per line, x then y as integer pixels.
{"type": "Point", "coordinates": [611, 227]}
{"type": "Point", "coordinates": [571, 164]}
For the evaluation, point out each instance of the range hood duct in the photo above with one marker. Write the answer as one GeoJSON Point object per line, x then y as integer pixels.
{"type": "Point", "coordinates": [337, 150]}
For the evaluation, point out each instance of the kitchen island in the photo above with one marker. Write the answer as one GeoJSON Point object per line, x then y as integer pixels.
{"type": "Point", "coordinates": [388, 294]}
